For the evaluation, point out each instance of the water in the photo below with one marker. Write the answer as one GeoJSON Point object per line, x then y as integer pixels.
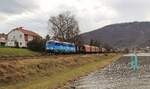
{"type": "Point", "coordinates": [118, 75]}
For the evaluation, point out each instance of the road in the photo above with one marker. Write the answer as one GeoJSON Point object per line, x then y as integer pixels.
{"type": "Point", "coordinates": [118, 75]}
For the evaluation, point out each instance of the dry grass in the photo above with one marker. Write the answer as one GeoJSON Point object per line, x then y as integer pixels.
{"type": "Point", "coordinates": [47, 73]}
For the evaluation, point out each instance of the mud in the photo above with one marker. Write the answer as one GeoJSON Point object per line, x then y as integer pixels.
{"type": "Point", "coordinates": [117, 75]}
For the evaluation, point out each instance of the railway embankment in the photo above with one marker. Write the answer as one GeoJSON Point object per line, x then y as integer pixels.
{"type": "Point", "coordinates": [49, 72]}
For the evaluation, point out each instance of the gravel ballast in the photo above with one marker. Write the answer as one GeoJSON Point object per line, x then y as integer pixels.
{"type": "Point", "coordinates": [118, 75]}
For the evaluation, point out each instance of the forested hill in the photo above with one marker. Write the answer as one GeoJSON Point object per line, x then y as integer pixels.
{"type": "Point", "coordinates": [123, 35]}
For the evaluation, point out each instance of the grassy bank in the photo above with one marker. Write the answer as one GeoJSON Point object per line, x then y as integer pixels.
{"type": "Point", "coordinates": [50, 72]}
{"type": "Point", "coordinates": [16, 52]}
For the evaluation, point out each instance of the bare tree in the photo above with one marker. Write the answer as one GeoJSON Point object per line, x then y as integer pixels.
{"type": "Point", "coordinates": [64, 27]}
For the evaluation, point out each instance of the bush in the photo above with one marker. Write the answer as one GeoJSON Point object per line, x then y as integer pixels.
{"type": "Point", "coordinates": [37, 44]}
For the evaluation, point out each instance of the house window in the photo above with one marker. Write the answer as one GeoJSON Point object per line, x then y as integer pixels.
{"type": "Point", "coordinates": [14, 37]}
{"type": "Point", "coordinates": [20, 43]}
{"type": "Point", "coordinates": [20, 36]}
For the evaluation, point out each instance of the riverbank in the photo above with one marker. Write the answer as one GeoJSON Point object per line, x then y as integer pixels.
{"type": "Point", "coordinates": [49, 73]}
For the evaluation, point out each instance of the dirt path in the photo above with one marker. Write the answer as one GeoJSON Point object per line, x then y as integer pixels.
{"type": "Point", "coordinates": [118, 75]}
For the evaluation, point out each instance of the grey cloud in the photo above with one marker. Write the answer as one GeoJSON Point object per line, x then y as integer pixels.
{"type": "Point", "coordinates": [131, 9]}
{"type": "Point", "coordinates": [89, 17]}
{"type": "Point", "coordinates": [16, 6]}
{"type": "Point", "coordinates": [37, 24]}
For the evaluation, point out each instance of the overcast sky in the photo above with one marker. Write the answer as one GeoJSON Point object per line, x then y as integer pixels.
{"type": "Point", "coordinates": [91, 14]}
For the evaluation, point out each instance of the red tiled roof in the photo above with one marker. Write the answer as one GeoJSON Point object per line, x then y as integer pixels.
{"type": "Point", "coordinates": [27, 32]}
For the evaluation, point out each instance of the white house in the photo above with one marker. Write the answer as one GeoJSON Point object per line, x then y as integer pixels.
{"type": "Point", "coordinates": [19, 37]}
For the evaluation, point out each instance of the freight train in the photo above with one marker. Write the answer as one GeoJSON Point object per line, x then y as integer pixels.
{"type": "Point", "coordinates": [66, 48]}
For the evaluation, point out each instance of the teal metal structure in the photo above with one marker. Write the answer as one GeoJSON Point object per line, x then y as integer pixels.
{"type": "Point", "coordinates": [134, 62]}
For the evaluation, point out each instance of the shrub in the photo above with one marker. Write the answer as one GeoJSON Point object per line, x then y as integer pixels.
{"type": "Point", "coordinates": [37, 44]}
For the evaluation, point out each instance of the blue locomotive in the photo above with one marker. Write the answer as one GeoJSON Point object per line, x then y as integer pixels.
{"type": "Point", "coordinates": [60, 47]}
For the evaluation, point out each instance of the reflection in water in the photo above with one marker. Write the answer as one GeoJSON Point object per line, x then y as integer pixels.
{"type": "Point", "coordinates": [118, 75]}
